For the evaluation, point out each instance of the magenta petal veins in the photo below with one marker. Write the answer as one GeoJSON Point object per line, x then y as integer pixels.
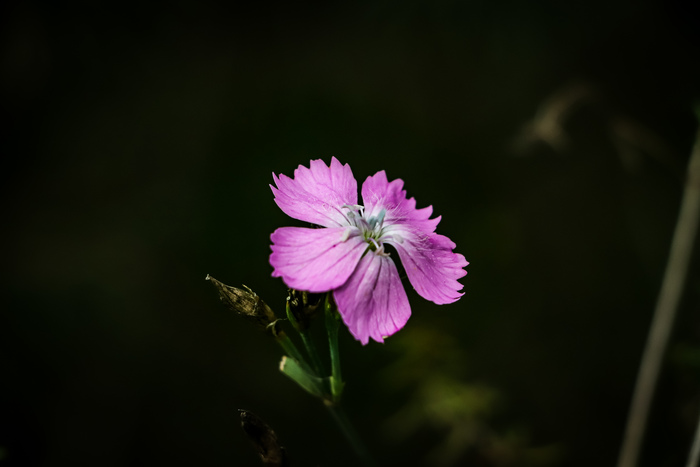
{"type": "Point", "coordinates": [315, 260]}
{"type": "Point", "coordinates": [373, 302]}
{"type": "Point", "coordinates": [317, 194]}
{"type": "Point", "coordinates": [431, 266]}
{"type": "Point", "coordinates": [378, 193]}
{"type": "Point", "coordinates": [348, 256]}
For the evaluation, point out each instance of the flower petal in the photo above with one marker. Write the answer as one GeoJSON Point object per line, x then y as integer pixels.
{"type": "Point", "coordinates": [430, 264]}
{"type": "Point", "coordinates": [373, 302]}
{"type": "Point", "coordinates": [378, 193]}
{"type": "Point", "coordinates": [315, 260]}
{"type": "Point", "coordinates": [317, 194]}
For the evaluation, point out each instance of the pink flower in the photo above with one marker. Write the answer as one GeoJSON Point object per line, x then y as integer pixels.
{"type": "Point", "coordinates": [348, 256]}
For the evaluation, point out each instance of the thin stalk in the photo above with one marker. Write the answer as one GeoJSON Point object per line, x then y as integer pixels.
{"type": "Point", "coordinates": [336, 380]}
{"type": "Point", "coordinates": [290, 349]}
{"type": "Point", "coordinates": [350, 434]}
{"type": "Point", "coordinates": [316, 367]}
{"type": "Point", "coordinates": [665, 313]}
{"type": "Point", "coordinates": [332, 326]}
{"type": "Point", "coordinates": [308, 343]}
{"type": "Point", "coordinates": [311, 350]}
{"type": "Point", "coordinates": [694, 457]}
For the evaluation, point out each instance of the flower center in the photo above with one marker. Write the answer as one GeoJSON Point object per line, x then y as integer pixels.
{"type": "Point", "coordinates": [372, 228]}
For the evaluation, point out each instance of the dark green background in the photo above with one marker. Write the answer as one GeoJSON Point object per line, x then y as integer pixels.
{"type": "Point", "coordinates": [138, 145]}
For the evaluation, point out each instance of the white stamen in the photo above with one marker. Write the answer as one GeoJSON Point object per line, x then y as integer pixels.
{"type": "Point", "coordinates": [379, 249]}
{"type": "Point", "coordinates": [380, 217]}
{"type": "Point", "coordinates": [353, 207]}
{"type": "Point", "coordinates": [346, 234]}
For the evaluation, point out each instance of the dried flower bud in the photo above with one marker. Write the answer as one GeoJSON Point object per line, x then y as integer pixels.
{"type": "Point", "coordinates": [303, 307]}
{"type": "Point", "coordinates": [264, 439]}
{"type": "Point", "coordinates": [248, 304]}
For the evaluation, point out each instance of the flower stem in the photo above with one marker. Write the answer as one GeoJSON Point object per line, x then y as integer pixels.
{"type": "Point", "coordinates": [694, 457]}
{"type": "Point", "coordinates": [337, 384]}
{"type": "Point", "coordinates": [332, 326]}
{"type": "Point", "coordinates": [664, 315]}
{"type": "Point", "coordinates": [290, 349]}
{"type": "Point", "coordinates": [350, 434]}
{"type": "Point", "coordinates": [308, 343]}
{"type": "Point", "coordinates": [311, 350]}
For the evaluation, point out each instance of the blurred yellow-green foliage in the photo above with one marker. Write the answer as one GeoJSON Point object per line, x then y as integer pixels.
{"type": "Point", "coordinates": [138, 143]}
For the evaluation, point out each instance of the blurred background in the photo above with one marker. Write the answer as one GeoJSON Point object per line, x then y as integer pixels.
{"type": "Point", "coordinates": [138, 145]}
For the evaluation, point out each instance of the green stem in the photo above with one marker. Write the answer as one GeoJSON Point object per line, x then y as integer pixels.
{"type": "Point", "coordinates": [308, 343]}
{"type": "Point", "coordinates": [290, 349]}
{"type": "Point", "coordinates": [313, 353]}
{"type": "Point", "coordinates": [665, 313]}
{"type": "Point", "coordinates": [694, 458]}
{"type": "Point", "coordinates": [336, 385]}
{"type": "Point", "coordinates": [332, 326]}
{"type": "Point", "coordinates": [344, 424]}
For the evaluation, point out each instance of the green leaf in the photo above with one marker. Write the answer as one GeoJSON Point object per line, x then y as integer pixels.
{"type": "Point", "coordinates": [310, 383]}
